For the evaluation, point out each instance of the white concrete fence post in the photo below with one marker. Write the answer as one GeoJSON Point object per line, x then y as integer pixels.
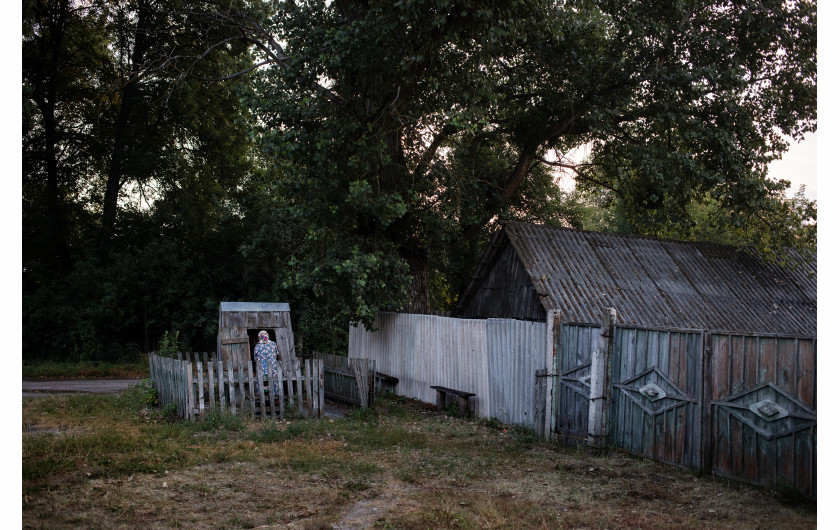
{"type": "Point", "coordinates": [599, 382]}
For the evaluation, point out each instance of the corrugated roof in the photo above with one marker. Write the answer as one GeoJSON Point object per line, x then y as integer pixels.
{"type": "Point", "coordinates": [253, 306]}
{"type": "Point", "coordinates": [664, 283]}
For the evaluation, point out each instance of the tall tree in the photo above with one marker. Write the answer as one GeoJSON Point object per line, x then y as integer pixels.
{"type": "Point", "coordinates": [412, 125]}
{"type": "Point", "coordinates": [131, 147]}
{"type": "Point", "coordinates": [167, 106]}
{"type": "Point", "coordinates": [63, 44]}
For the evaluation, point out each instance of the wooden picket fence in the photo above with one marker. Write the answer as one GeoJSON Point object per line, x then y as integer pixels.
{"type": "Point", "coordinates": [198, 384]}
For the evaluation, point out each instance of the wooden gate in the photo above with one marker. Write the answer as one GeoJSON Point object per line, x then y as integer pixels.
{"type": "Point", "coordinates": [348, 380]}
{"type": "Point", "coordinates": [762, 416]}
{"type": "Point", "coordinates": [574, 345]}
{"type": "Point", "coordinates": [656, 387]}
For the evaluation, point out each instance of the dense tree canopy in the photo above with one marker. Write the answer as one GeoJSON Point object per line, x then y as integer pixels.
{"type": "Point", "coordinates": [389, 137]}
{"type": "Point", "coordinates": [412, 125]}
{"type": "Point", "coordinates": [108, 130]}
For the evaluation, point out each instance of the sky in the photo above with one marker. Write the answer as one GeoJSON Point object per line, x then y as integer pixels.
{"type": "Point", "coordinates": [799, 166]}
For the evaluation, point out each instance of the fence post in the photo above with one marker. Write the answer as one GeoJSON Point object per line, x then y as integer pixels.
{"type": "Point", "coordinates": [600, 381]}
{"type": "Point", "coordinates": [706, 406]}
{"type": "Point", "coordinates": [540, 386]}
{"type": "Point", "coordinates": [551, 368]}
{"type": "Point", "coordinates": [188, 368]}
{"type": "Point", "coordinates": [371, 371]}
{"type": "Point", "coordinates": [320, 388]}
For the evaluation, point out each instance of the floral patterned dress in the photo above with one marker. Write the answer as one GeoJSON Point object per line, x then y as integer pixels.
{"type": "Point", "coordinates": [265, 354]}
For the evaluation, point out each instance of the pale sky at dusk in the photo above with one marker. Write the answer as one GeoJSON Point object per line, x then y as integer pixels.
{"type": "Point", "coordinates": [799, 166]}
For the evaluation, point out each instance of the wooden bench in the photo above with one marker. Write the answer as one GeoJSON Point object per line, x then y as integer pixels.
{"type": "Point", "coordinates": [462, 397]}
{"type": "Point", "coordinates": [386, 382]}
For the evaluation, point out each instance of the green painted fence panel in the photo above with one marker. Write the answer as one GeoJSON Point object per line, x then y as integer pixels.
{"type": "Point", "coordinates": [655, 394]}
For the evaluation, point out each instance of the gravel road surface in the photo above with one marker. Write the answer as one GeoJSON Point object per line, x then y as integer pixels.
{"type": "Point", "coordinates": [92, 386]}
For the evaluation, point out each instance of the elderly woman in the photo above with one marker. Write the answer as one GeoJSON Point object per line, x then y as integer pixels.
{"type": "Point", "coordinates": [265, 354]}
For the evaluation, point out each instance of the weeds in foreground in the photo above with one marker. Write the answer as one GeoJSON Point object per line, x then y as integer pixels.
{"type": "Point", "coordinates": [86, 458]}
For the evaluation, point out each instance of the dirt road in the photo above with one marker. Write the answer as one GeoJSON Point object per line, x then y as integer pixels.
{"type": "Point", "coordinates": [91, 386]}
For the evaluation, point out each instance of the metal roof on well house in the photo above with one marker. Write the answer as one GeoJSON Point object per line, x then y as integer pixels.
{"type": "Point", "coordinates": [656, 283]}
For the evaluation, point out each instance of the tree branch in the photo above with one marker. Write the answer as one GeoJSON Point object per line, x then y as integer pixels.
{"type": "Point", "coordinates": [428, 155]}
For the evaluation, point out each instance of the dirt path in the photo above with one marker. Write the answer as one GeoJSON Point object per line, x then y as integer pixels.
{"type": "Point", "coordinates": [365, 513]}
{"type": "Point", "coordinates": [90, 386]}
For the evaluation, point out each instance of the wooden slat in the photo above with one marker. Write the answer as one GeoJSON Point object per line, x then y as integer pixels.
{"type": "Point", "coordinates": [310, 408]}
{"type": "Point", "coordinates": [188, 368]}
{"type": "Point", "coordinates": [766, 360]}
{"type": "Point", "coordinates": [805, 479]}
{"type": "Point", "coordinates": [270, 396]}
{"type": "Point", "coordinates": [251, 382]}
{"type": "Point", "coordinates": [766, 461]}
{"type": "Point", "coordinates": [234, 340]}
{"type": "Point", "coordinates": [200, 369]}
{"type": "Point", "coordinates": [361, 390]}
{"type": "Point", "coordinates": [806, 372]}
{"type": "Point", "coordinates": [240, 372]}
{"type": "Point", "coordinates": [211, 384]}
{"type": "Point", "coordinates": [786, 363]}
{"type": "Point", "coordinates": [231, 387]}
{"type": "Point", "coordinates": [736, 347]}
{"type": "Point", "coordinates": [299, 389]}
{"type": "Point", "coordinates": [749, 449]}
{"type": "Point", "coordinates": [320, 388]}
{"type": "Point", "coordinates": [220, 373]}
{"type": "Point", "coordinates": [281, 397]}
{"type": "Point", "coordinates": [785, 459]}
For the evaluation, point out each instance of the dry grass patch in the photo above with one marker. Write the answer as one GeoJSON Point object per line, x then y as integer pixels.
{"type": "Point", "coordinates": [107, 462]}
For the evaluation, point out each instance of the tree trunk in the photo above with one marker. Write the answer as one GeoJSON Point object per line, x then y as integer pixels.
{"type": "Point", "coordinates": [122, 132]}
{"type": "Point", "coordinates": [46, 99]}
{"type": "Point", "coordinates": [56, 237]}
{"type": "Point", "coordinates": [419, 297]}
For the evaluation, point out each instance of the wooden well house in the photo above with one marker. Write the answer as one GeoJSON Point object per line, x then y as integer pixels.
{"type": "Point", "coordinates": [240, 324]}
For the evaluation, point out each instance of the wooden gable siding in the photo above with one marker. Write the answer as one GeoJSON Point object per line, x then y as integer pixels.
{"type": "Point", "coordinates": [505, 292]}
{"type": "Point", "coordinates": [255, 319]}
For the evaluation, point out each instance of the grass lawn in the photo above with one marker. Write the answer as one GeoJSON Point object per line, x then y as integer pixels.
{"type": "Point", "coordinates": [85, 370]}
{"type": "Point", "coordinates": [105, 461]}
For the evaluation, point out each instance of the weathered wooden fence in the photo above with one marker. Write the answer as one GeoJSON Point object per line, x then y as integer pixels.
{"type": "Point", "coordinates": [197, 384]}
{"type": "Point", "coordinates": [574, 348]}
{"type": "Point", "coordinates": [761, 412]}
{"type": "Point", "coordinates": [348, 380]}
{"type": "Point", "coordinates": [739, 406]}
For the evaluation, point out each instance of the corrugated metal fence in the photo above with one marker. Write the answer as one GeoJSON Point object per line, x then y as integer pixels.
{"type": "Point", "coordinates": [496, 359]}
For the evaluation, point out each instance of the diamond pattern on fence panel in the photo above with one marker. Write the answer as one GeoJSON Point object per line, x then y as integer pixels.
{"type": "Point", "coordinates": [763, 411]}
{"type": "Point", "coordinates": [656, 387]}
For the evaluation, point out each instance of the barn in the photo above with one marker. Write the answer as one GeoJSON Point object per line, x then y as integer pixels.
{"type": "Point", "coordinates": [529, 270]}
{"type": "Point", "coordinates": [706, 358]}
{"type": "Point", "coordinates": [241, 322]}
